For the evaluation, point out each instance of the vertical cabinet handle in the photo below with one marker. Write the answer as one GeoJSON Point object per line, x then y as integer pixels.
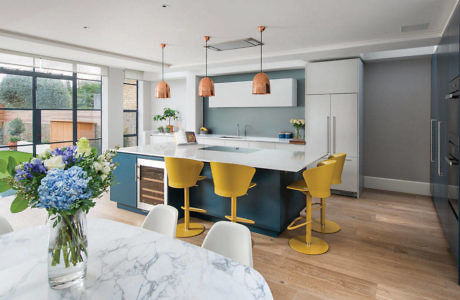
{"type": "Point", "coordinates": [431, 140]}
{"type": "Point", "coordinates": [328, 135]}
{"type": "Point", "coordinates": [334, 144]}
{"type": "Point", "coordinates": [136, 171]}
{"type": "Point", "coordinates": [439, 148]}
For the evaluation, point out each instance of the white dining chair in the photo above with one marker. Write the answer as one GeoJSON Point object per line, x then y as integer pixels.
{"type": "Point", "coordinates": [162, 218]}
{"type": "Point", "coordinates": [5, 227]}
{"type": "Point", "coordinates": [232, 240]}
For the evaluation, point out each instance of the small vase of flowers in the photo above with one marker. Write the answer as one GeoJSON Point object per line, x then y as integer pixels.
{"type": "Point", "coordinates": [65, 182]}
{"type": "Point", "coordinates": [298, 124]}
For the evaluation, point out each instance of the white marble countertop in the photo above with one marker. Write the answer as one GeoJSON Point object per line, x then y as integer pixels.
{"type": "Point", "coordinates": [272, 159]}
{"type": "Point", "coordinates": [234, 138]}
{"type": "Point", "coordinates": [126, 262]}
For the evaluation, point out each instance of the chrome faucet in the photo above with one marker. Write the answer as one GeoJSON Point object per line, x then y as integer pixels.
{"type": "Point", "coordinates": [238, 129]}
{"type": "Point", "coordinates": [245, 129]}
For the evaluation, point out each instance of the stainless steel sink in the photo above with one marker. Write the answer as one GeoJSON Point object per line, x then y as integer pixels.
{"type": "Point", "coordinates": [230, 137]}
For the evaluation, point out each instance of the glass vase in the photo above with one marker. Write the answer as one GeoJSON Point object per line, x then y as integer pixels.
{"type": "Point", "coordinates": [297, 133]}
{"type": "Point", "coordinates": [67, 250]}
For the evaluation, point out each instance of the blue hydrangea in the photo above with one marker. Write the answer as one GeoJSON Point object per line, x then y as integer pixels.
{"type": "Point", "coordinates": [60, 189]}
{"type": "Point", "coordinates": [30, 169]}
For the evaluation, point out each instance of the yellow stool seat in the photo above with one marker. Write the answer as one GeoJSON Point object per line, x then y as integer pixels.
{"type": "Point", "coordinates": [299, 185]}
{"type": "Point", "coordinates": [184, 174]}
{"type": "Point", "coordinates": [232, 181]}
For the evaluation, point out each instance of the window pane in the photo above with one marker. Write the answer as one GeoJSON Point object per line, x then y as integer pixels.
{"type": "Point", "coordinates": [89, 124]}
{"type": "Point", "coordinates": [89, 69]}
{"type": "Point", "coordinates": [15, 91]}
{"type": "Point", "coordinates": [54, 67]}
{"type": "Point", "coordinates": [129, 141]}
{"type": "Point", "coordinates": [97, 144]}
{"type": "Point", "coordinates": [129, 123]}
{"type": "Point", "coordinates": [129, 97]}
{"type": "Point", "coordinates": [89, 94]}
{"type": "Point", "coordinates": [41, 148]}
{"type": "Point", "coordinates": [56, 126]}
{"type": "Point", "coordinates": [54, 93]}
{"type": "Point", "coordinates": [16, 61]}
{"type": "Point", "coordinates": [15, 125]}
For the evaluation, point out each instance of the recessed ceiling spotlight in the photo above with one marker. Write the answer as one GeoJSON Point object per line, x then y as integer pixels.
{"type": "Point", "coordinates": [164, 5]}
{"type": "Point", "coordinates": [85, 27]}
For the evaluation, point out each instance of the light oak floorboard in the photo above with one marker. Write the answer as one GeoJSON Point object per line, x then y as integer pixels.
{"type": "Point", "coordinates": [391, 246]}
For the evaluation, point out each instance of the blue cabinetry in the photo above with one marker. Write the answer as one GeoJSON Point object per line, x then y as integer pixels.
{"type": "Point", "coordinates": [124, 191]}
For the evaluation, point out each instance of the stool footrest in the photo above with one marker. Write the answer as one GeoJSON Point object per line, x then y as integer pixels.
{"type": "Point", "coordinates": [241, 220]}
{"type": "Point", "coordinates": [292, 226]}
{"type": "Point", "coordinates": [194, 209]}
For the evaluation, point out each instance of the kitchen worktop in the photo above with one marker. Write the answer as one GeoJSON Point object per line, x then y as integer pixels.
{"type": "Point", "coordinates": [271, 159]}
{"type": "Point", "coordinates": [232, 137]}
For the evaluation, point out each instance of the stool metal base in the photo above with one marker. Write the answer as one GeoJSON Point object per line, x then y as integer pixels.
{"type": "Point", "coordinates": [193, 230]}
{"type": "Point", "coordinates": [317, 245]}
{"type": "Point", "coordinates": [329, 226]}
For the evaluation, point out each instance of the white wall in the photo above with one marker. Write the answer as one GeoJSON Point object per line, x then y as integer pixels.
{"type": "Point", "coordinates": [112, 109]}
{"type": "Point", "coordinates": [144, 111]}
{"type": "Point", "coordinates": [177, 102]}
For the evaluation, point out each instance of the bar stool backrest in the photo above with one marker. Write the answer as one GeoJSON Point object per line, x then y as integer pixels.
{"type": "Point", "coordinates": [231, 180]}
{"type": "Point", "coordinates": [182, 173]}
{"type": "Point", "coordinates": [319, 179]}
{"type": "Point", "coordinates": [340, 159]}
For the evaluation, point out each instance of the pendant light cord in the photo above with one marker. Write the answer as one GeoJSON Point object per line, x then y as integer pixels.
{"type": "Point", "coordinates": [261, 51]}
{"type": "Point", "coordinates": [162, 64]}
{"type": "Point", "coordinates": [206, 58]}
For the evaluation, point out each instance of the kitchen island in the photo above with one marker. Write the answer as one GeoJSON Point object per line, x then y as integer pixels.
{"type": "Point", "coordinates": [269, 203]}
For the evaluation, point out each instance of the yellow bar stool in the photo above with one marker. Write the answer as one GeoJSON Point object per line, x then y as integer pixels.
{"type": "Point", "coordinates": [183, 174]}
{"type": "Point", "coordinates": [323, 225]}
{"type": "Point", "coordinates": [232, 181]}
{"type": "Point", "coordinates": [318, 184]}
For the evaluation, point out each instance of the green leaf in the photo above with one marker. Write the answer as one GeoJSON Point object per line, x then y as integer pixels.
{"type": "Point", "coordinates": [11, 167]}
{"type": "Point", "coordinates": [19, 204]}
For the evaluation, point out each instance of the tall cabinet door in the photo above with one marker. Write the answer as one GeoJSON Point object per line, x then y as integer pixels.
{"type": "Point", "coordinates": [317, 112]}
{"type": "Point", "coordinates": [344, 119]}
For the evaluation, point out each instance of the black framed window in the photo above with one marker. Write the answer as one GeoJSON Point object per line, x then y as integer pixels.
{"type": "Point", "coordinates": [130, 113]}
{"type": "Point", "coordinates": [48, 105]}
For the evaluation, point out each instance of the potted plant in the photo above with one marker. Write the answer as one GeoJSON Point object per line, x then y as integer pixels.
{"type": "Point", "coordinates": [168, 114]}
{"type": "Point", "coordinates": [161, 129]}
{"type": "Point", "coordinates": [15, 129]}
{"type": "Point", "coordinates": [13, 142]}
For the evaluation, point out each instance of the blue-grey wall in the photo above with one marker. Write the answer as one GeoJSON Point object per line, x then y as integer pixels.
{"type": "Point", "coordinates": [260, 121]}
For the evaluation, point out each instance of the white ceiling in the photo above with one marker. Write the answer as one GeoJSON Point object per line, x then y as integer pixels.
{"type": "Point", "coordinates": [296, 29]}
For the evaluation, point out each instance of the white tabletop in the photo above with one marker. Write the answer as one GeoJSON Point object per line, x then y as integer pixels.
{"type": "Point", "coordinates": [272, 159]}
{"type": "Point", "coordinates": [126, 262]}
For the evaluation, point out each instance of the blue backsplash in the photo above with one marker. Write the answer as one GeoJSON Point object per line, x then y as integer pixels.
{"type": "Point", "coordinates": [260, 121]}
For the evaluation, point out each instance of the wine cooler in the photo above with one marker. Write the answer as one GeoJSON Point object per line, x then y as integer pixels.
{"type": "Point", "coordinates": [152, 186]}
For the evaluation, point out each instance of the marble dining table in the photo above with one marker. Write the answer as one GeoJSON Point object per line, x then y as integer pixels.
{"type": "Point", "coordinates": [126, 262]}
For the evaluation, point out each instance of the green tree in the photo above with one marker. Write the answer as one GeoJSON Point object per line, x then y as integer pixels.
{"type": "Point", "coordinates": [16, 127]}
{"type": "Point", "coordinates": [86, 92]}
{"type": "Point", "coordinates": [16, 92]}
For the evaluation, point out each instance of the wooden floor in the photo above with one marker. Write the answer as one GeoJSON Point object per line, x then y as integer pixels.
{"type": "Point", "coordinates": [391, 246]}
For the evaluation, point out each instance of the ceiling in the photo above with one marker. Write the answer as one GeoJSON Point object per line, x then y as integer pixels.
{"type": "Point", "coordinates": [132, 31]}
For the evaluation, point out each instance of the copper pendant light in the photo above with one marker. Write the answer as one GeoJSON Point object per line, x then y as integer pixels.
{"type": "Point", "coordinates": [206, 87]}
{"type": "Point", "coordinates": [162, 89]}
{"type": "Point", "coordinates": [261, 83]}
